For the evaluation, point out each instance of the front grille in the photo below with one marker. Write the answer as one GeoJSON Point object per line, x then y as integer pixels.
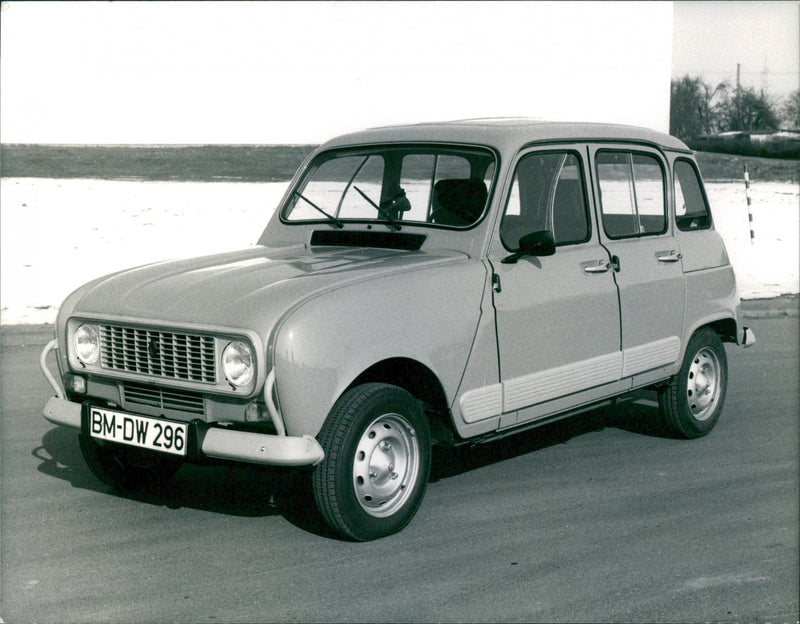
{"type": "Point", "coordinates": [162, 398]}
{"type": "Point", "coordinates": [188, 357]}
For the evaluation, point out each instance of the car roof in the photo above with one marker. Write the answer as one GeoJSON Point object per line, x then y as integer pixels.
{"type": "Point", "coordinates": [507, 134]}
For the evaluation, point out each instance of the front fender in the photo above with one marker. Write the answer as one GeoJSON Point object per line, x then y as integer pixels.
{"type": "Point", "coordinates": [429, 315]}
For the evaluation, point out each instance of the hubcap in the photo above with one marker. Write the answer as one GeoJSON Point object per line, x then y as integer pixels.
{"type": "Point", "coordinates": [703, 386]}
{"type": "Point", "coordinates": [386, 465]}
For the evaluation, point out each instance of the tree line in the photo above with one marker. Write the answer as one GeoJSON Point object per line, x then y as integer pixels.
{"type": "Point", "coordinates": [698, 108]}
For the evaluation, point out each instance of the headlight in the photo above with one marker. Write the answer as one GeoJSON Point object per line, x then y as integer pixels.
{"type": "Point", "coordinates": [87, 344]}
{"type": "Point", "coordinates": [237, 363]}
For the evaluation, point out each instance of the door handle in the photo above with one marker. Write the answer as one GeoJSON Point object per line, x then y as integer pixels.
{"type": "Point", "coordinates": [669, 256]}
{"type": "Point", "coordinates": [601, 267]}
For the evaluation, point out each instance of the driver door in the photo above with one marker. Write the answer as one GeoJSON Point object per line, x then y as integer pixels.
{"type": "Point", "coordinates": [557, 316]}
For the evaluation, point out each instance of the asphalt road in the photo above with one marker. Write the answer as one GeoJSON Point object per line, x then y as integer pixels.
{"type": "Point", "coordinates": [599, 518]}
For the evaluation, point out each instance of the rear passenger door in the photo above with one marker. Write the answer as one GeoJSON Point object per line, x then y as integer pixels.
{"type": "Point", "coordinates": [632, 204]}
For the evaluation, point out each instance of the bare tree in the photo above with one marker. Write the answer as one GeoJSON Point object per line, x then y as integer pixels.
{"type": "Point", "coordinates": [747, 110]}
{"type": "Point", "coordinates": [692, 111]}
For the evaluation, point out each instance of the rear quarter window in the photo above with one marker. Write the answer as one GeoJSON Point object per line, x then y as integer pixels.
{"type": "Point", "coordinates": [691, 207]}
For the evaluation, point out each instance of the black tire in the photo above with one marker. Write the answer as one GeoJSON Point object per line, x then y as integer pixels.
{"type": "Point", "coordinates": [692, 402]}
{"type": "Point", "coordinates": [377, 462]}
{"type": "Point", "coordinates": [127, 468]}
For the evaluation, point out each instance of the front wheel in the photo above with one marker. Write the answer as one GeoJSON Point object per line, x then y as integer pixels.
{"type": "Point", "coordinates": [692, 401]}
{"type": "Point", "coordinates": [377, 461]}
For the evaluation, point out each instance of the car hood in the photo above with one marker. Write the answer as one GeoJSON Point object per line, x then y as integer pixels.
{"type": "Point", "coordinates": [248, 289]}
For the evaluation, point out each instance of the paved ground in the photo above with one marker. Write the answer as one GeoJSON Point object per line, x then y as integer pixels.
{"type": "Point", "coordinates": [599, 518]}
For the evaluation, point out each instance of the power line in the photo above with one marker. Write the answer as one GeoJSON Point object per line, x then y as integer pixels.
{"type": "Point", "coordinates": [743, 72]}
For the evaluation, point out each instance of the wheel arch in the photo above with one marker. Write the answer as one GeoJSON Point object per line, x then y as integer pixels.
{"type": "Point", "coordinates": [419, 381]}
{"type": "Point", "coordinates": [725, 328]}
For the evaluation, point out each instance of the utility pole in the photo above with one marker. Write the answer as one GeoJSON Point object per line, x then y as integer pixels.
{"type": "Point", "coordinates": [738, 98]}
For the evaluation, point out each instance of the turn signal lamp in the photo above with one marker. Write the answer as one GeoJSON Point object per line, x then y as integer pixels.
{"type": "Point", "coordinates": [256, 412]}
{"type": "Point", "coordinates": [75, 383]}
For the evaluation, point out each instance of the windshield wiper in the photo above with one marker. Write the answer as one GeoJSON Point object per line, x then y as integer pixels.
{"type": "Point", "coordinates": [383, 213]}
{"type": "Point", "coordinates": [331, 218]}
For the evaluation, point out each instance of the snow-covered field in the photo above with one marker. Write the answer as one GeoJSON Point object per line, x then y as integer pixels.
{"type": "Point", "coordinates": [57, 234]}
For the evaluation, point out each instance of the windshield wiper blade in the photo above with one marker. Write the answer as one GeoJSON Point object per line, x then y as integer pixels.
{"type": "Point", "coordinates": [331, 218]}
{"type": "Point", "coordinates": [383, 213]}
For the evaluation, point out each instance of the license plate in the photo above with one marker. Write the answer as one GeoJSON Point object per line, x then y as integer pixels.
{"type": "Point", "coordinates": [155, 434]}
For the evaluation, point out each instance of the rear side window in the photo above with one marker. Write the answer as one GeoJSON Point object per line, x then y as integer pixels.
{"type": "Point", "coordinates": [691, 208]}
{"type": "Point", "coordinates": [632, 194]}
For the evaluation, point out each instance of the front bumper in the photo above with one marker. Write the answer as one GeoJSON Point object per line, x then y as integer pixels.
{"type": "Point", "coordinates": [245, 446]}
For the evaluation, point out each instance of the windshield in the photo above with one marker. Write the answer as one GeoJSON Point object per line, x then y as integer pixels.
{"type": "Point", "coordinates": [394, 185]}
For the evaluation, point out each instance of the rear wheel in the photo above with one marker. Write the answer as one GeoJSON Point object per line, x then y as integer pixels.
{"type": "Point", "coordinates": [692, 401]}
{"type": "Point", "coordinates": [125, 467]}
{"type": "Point", "coordinates": [377, 461]}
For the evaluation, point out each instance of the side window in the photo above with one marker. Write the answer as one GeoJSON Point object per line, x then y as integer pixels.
{"type": "Point", "coordinates": [648, 178]}
{"type": "Point", "coordinates": [547, 193]}
{"type": "Point", "coordinates": [570, 216]}
{"type": "Point", "coordinates": [632, 196]}
{"type": "Point", "coordinates": [691, 209]}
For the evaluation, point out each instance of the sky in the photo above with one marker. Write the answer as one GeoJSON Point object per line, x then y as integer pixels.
{"type": "Point", "coordinates": [301, 72]}
{"type": "Point", "coordinates": [711, 38]}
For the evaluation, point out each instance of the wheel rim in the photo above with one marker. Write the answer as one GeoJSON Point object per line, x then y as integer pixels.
{"type": "Point", "coordinates": [703, 385]}
{"type": "Point", "coordinates": [386, 465]}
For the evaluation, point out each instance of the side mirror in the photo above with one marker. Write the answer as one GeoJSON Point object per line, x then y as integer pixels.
{"type": "Point", "coordinates": [534, 244]}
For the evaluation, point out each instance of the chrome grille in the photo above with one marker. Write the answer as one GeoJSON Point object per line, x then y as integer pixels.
{"type": "Point", "coordinates": [162, 398]}
{"type": "Point", "coordinates": [173, 355]}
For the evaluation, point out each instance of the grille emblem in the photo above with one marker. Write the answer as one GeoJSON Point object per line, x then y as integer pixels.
{"type": "Point", "coordinates": [152, 349]}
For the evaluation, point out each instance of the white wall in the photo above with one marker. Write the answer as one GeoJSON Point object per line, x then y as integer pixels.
{"type": "Point", "coordinates": [252, 72]}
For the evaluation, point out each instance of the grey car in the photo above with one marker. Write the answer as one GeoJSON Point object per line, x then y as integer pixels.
{"type": "Point", "coordinates": [441, 283]}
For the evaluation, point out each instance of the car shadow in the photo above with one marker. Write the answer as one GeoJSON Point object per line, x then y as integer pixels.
{"type": "Point", "coordinates": [255, 491]}
{"type": "Point", "coordinates": [221, 487]}
{"type": "Point", "coordinates": [228, 488]}
{"type": "Point", "coordinates": [639, 416]}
